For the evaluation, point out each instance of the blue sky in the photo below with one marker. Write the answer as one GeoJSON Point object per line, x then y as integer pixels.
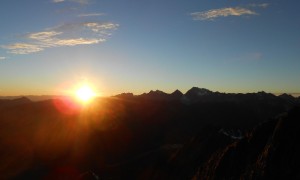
{"type": "Point", "coordinates": [49, 46]}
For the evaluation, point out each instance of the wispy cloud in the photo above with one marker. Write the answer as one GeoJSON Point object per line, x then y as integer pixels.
{"type": "Point", "coordinates": [96, 27]}
{"type": "Point", "coordinates": [78, 41]}
{"type": "Point", "coordinates": [44, 35]}
{"type": "Point", "coordinates": [223, 12]}
{"type": "Point", "coordinates": [228, 11]}
{"type": "Point", "coordinates": [23, 48]}
{"type": "Point", "coordinates": [64, 35]}
{"type": "Point", "coordinates": [2, 57]}
{"type": "Point", "coordinates": [90, 14]}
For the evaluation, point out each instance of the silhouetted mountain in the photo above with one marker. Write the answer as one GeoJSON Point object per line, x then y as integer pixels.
{"type": "Point", "coordinates": [195, 92]}
{"type": "Point", "coordinates": [34, 97]}
{"type": "Point", "coordinates": [176, 94]}
{"type": "Point", "coordinates": [150, 136]}
{"type": "Point", "coordinates": [125, 95]}
{"type": "Point", "coordinates": [13, 102]}
{"type": "Point", "coordinates": [155, 95]}
{"type": "Point", "coordinates": [196, 95]}
{"type": "Point", "coordinates": [271, 151]}
{"type": "Point", "coordinates": [288, 97]}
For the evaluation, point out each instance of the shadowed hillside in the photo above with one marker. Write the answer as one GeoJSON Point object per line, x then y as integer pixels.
{"type": "Point", "coordinates": [200, 134]}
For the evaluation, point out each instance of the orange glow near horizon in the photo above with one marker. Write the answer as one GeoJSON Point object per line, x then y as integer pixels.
{"type": "Point", "coordinates": [85, 93]}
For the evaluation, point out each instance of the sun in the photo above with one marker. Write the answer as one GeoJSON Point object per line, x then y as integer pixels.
{"type": "Point", "coordinates": [85, 93]}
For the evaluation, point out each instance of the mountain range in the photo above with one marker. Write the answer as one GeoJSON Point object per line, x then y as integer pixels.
{"type": "Point", "coordinates": [197, 135]}
{"type": "Point", "coordinates": [193, 94]}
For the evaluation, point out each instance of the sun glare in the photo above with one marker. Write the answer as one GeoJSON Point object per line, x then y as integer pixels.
{"type": "Point", "coordinates": [85, 93]}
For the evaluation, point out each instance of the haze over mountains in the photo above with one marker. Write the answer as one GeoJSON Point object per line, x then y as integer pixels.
{"type": "Point", "coordinates": [177, 94]}
{"type": "Point", "coordinates": [197, 135]}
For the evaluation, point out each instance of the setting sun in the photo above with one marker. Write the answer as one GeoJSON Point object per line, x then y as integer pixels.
{"type": "Point", "coordinates": [85, 93]}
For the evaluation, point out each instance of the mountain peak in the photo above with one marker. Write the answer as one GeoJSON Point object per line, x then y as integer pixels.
{"type": "Point", "coordinates": [287, 97]}
{"type": "Point", "coordinates": [156, 92]}
{"type": "Point", "coordinates": [125, 95]}
{"type": "Point", "coordinates": [176, 94]}
{"type": "Point", "coordinates": [195, 91]}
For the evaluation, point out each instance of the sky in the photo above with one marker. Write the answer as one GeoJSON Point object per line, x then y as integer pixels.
{"type": "Point", "coordinates": [48, 47]}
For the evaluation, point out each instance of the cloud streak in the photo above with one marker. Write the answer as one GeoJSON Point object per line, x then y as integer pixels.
{"type": "Point", "coordinates": [228, 11]}
{"type": "Point", "coordinates": [90, 14]}
{"type": "Point", "coordinates": [87, 33]}
{"type": "Point", "coordinates": [23, 48]}
{"type": "Point", "coordinates": [223, 12]}
{"type": "Point", "coordinates": [2, 58]}
{"type": "Point", "coordinates": [78, 41]}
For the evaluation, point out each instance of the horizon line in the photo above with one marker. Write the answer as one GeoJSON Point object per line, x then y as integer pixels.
{"type": "Point", "coordinates": [295, 94]}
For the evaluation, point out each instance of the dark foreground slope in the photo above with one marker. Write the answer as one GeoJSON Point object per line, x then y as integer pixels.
{"type": "Point", "coordinates": [151, 136]}
{"type": "Point", "coordinates": [271, 151]}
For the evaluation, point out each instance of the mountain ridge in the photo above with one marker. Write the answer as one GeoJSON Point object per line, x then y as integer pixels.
{"type": "Point", "coordinates": [150, 136]}
{"type": "Point", "coordinates": [193, 93]}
